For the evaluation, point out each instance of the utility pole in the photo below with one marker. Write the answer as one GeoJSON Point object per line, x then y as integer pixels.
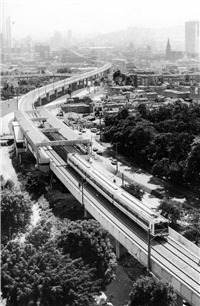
{"type": "Point", "coordinates": [100, 126]}
{"type": "Point", "coordinates": [123, 179]}
{"type": "Point", "coordinates": [149, 251]}
{"type": "Point", "coordinates": [116, 159]}
{"type": "Point", "coordinates": [17, 102]}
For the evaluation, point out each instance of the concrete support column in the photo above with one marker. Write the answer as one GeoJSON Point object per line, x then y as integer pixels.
{"type": "Point", "coordinates": [56, 93]}
{"type": "Point", "coordinates": [20, 158]}
{"type": "Point", "coordinates": [86, 214]}
{"type": "Point", "coordinates": [39, 101]}
{"type": "Point", "coordinates": [63, 90]}
{"type": "Point", "coordinates": [88, 148]}
{"type": "Point", "coordinates": [120, 249]}
{"type": "Point", "coordinates": [87, 82]}
{"type": "Point", "coordinates": [54, 184]}
{"type": "Point", "coordinates": [117, 249]}
{"type": "Point", "coordinates": [179, 301]}
{"type": "Point", "coordinates": [82, 84]}
{"type": "Point", "coordinates": [48, 97]}
{"type": "Point", "coordinates": [66, 89]}
{"type": "Point", "coordinates": [74, 86]}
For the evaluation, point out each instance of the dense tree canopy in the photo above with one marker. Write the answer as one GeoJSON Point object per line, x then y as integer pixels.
{"type": "Point", "coordinates": [15, 211]}
{"type": "Point", "coordinates": [45, 275]}
{"type": "Point", "coordinates": [148, 291]}
{"type": "Point", "coordinates": [165, 138]}
{"type": "Point", "coordinates": [46, 269]}
{"type": "Point", "coordinates": [88, 240]}
{"type": "Point", "coordinates": [170, 209]}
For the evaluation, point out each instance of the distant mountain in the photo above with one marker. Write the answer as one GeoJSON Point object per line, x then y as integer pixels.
{"type": "Point", "coordinates": [143, 36]}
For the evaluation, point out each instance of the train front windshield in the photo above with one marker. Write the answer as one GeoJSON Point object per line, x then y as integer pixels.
{"type": "Point", "coordinates": [161, 228]}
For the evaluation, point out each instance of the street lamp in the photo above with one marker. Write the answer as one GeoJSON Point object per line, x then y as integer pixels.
{"type": "Point", "coordinates": [100, 126]}
{"type": "Point", "coordinates": [116, 144]}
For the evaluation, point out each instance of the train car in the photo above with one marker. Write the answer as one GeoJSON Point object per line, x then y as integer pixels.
{"type": "Point", "coordinates": [131, 206]}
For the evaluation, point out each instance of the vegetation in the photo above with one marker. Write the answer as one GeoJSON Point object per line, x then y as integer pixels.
{"type": "Point", "coordinates": [36, 183]}
{"type": "Point", "coordinates": [134, 190]}
{"type": "Point", "coordinates": [54, 266]}
{"type": "Point", "coordinates": [24, 86]}
{"type": "Point", "coordinates": [121, 79]}
{"type": "Point", "coordinates": [148, 291]}
{"type": "Point", "coordinates": [64, 70]}
{"type": "Point", "coordinates": [45, 276]}
{"type": "Point", "coordinates": [170, 209]}
{"type": "Point", "coordinates": [166, 139]}
{"type": "Point", "coordinates": [15, 211]}
{"type": "Point", "coordinates": [88, 240]}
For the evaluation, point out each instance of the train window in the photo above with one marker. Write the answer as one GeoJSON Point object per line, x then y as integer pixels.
{"type": "Point", "coordinates": [133, 213]}
{"type": "Point", "coordinates": [161, 227]}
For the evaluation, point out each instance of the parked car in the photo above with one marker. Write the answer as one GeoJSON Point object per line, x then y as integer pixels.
{"type": "Point", "coordinates": [114, 162]}
{"type": "Point", "coordinates": [99, 152]}
{"type": "Point", "coordinates": [95, 149]}
{"type": "Point", "coordinates": [93, 130]}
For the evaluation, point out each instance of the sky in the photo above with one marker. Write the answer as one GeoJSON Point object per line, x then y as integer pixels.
{"type": "Point", "coordinates": [44, 17]}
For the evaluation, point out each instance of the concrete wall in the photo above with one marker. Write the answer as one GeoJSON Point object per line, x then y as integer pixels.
{"type": "Point", "coordinates": [185, 242]}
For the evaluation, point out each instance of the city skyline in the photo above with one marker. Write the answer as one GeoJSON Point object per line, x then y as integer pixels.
{"type": "Point", "coordinates": [43, 18]}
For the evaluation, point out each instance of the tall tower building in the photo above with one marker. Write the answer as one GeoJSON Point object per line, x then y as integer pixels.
{"type": "Point", "coordinates": [192, 37]}
{"type": "Point", "coordinates": [8, 33]}
{"type": "Point", "coordinates": [168, 51]}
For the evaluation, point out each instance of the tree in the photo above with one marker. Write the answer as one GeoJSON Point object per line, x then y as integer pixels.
{"type": "Point", "coordinates": [193, 164]}
{"type": "Point", "coordinates": [89, 241]}
{"type": "Point", "coordinates": [134, 190]}
{"type": "Point", "coordinates": [161, 168]}
{"type": "Point", "coordinates": [15, 213]}
{"type": "Point", "coordinates": [6, 184]}
{"type": "Point", "coordinates": [44, 276]}
{"type": "Point", "coordinates": [170, 209]}
{"type": "Point", "coordinates": [192, 234]}
{"type": "Point", "coordinates": [148, 291]}
{"type": "Point", "coordinates": [36, 182]}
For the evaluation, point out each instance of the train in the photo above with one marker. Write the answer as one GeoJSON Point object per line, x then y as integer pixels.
{"type": "Point", "coordinates": [129, 205]}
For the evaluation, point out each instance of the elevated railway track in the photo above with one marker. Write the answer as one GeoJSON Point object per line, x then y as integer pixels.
{"type": "Point", "coordinates": [171, 260]}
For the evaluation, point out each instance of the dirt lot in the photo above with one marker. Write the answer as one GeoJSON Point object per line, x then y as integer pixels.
{"type": "Point", "coordinates": [7, 107]}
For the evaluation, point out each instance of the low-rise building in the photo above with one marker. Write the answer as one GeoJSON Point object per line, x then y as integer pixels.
{"type": "Point", "coordinates": [175, 94]}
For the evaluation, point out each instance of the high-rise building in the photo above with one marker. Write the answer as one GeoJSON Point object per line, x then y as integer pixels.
{"type": "Point", "coordinates": [192, 37]}
{"type": "Point", "coordinates": [57, 41]}
{"type": "Point", "coordinates": [8, 33]}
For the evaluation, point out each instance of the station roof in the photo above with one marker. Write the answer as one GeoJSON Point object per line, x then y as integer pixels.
{"type": "Point", "coordinates": [36, 137]}
{"type": "Point", "coordinates": [64, 130]}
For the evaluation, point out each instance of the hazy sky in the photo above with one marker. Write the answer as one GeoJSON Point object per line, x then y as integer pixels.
{"type": "Point", "coordinates": [37, 17]}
